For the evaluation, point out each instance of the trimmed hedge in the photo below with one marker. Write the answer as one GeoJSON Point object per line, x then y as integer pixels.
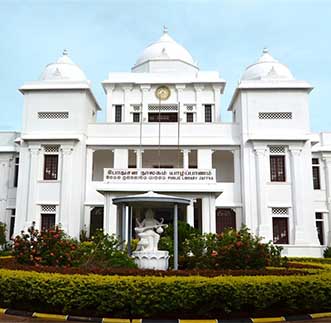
{"type": "Point", "coordinates": [163, 297]}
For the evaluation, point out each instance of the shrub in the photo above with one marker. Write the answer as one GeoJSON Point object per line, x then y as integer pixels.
{"type": "Point", "coordinates": [174, 297]}
{"type": "Point", "coordinates": [327, 252]}
{"type": "Point", "coordinates": [185, 231]}
{"type": "Point", "coordinates": [103, 251]}
{"type": "Point", "coordinates": [230, 250]}
{"type": "Point", "coordinates": [50, 247]}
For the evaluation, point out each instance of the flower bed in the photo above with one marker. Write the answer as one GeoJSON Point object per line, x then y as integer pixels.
{"type": "Point", "coordinates": [11, 263]}
{"type": "Point", "coordinates": [132, 296]}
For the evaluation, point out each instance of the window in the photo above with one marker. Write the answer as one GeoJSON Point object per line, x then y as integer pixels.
{"type": "Point", "coordinates": [17, 160]}
{"type": "Point", "coordinates": [47, 221]}
{"type": "Point", "coordinates": [316, 174]}
{"type": "Point", "coordinates": [208, 117]}
{"type": "Point", "coordinates": [277, 168]}
{"type": "Point", "coordinates": [189, 117]}
{"type": "Point", "coordinates": [319, 227]}
{"type": "Point", "coordinates": [136, 117]}
{"type": "Point", "coordinates": [51, 167]}
{"type": "Point", "coordinates": [118, 113]}
{"type": "Point", "coordinates": [225, 219]}
{"type": "Point", "coordinates": [163, 116]}
{"type": "Point", "coordinates": [280, 230]}
{"type": "Point", "coordinates": [53, 115]}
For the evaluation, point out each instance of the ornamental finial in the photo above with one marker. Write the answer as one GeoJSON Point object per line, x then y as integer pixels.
{"type": "Point", "coordinates": [65, 52]}
{"type": "Point", "coordinates": [265, 50]}
{"type": "Point", "coordinates": [165, 29]}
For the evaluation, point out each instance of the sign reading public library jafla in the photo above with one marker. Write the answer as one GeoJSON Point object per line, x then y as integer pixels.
{"type": "Point", "coordinates": [159, 175]}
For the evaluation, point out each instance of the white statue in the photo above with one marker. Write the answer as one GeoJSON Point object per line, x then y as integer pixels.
{"type": "Point", "coordinates": [149, 239]}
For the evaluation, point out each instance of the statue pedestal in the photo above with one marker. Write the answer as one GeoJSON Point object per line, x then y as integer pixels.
{"type": "Point", "coordinates": [157, 260]}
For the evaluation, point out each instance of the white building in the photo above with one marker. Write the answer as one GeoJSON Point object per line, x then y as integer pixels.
{"type": "Point", "coordinates": [164, 133]}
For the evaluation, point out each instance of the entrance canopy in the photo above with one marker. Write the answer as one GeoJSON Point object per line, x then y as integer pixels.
{"type": "Point", "coordinates": [151, 199]}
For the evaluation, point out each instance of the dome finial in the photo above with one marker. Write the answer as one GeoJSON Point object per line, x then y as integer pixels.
{"type": "Point", "coordinates": [65, 52]}
{"type": "Point", "coordinates": [265, 50]}
{"type": "Point", "coordinates": [165, 29]}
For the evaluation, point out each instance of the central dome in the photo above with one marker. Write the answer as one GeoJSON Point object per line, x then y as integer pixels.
{"type": "Point", "coordinates": [165, 49]}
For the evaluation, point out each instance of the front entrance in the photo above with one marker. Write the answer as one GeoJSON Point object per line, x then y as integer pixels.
{"type": "Point", "coordinates": [225, 219]}
{"type": "Point", "coordinates": [96, 220]}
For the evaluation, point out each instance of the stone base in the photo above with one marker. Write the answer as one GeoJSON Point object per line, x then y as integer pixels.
{"type": "Point", "coordinates": [157, 260]}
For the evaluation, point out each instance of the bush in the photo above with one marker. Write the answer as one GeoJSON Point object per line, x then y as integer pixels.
{"type": "Point", "coordinates": [50, 247]}
{"type": "Point", "coordinates": [3, 239]}
{"type": "Point", "coordinates": [103, 251]}
{"type": "Point", "coordinates": [230, 250]}
{"type": "Point", "coordinates": [174, 297]}
{"type": "Point", "coordinates": [327, 252]}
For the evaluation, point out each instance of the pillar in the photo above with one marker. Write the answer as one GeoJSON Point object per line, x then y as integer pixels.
{"type": "Point", "coordinates": [4, 186]}
{"type": "Point", "coordinates": [144, 101]}
{"type": "Point", "coordinates": [297, 194]}
{"type": "Point", "coordinates": [327, 169]}
{"type": "Point", "coordinates": [205, 158]}
{"type": "Point", "coordinates": [121, 158]}
{"type": "Point", "coordinates": [205, 215]}
{"type": "Point", "coordinates": [139, 158]}
{"type": "Point", "coordinates": [175, 237]}
{"type": "Point", "coordinates": [217, 110]}
{"type": "Point", "coordinates": [110, 111]}
{"type": "Point", "coordinates": [126, 112]}
{"type": "Point", "coordinates": [110, 216]}
{"type": "Point", "coordinates": [237, 166]}
{"type": "Point", "coordinates": [89, 164]}
{"type": "Point", "coordinates": [65, 217]}
{"type": "Point", "coordinates": [190, 214]}
{"type": "Point", "coordinates": [31, 211]}
{"type": "Point", "coordinates": [180, 89]}
{"type": "Point", "coordinates": [185, 158]}
{"type": "Point", "coordinates": [198, 99]}
{"type": "Point", "coordinates": [264, 220]}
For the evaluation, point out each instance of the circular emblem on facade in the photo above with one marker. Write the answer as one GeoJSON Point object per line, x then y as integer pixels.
{"type": "Point", "coordinates": [162, 92]}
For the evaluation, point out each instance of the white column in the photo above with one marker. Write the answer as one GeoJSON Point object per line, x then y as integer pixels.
{"type": "Point", "coordinates": [217, 110]}
{"type": "Point", "coordinates": [185, 158]}
{"type": "Point", "coordinates": [205, 215]}
{"type": "Point", "coordinates": [212, 213]}
{"type": "Point", "coordinates": [110, 216]}
{"type": "Point", "coordinates": [205, 158]}
{"type": "Point", "coordinates": [180, 100]}
{"type": "Point", "coordinates": [139, 158]}
{"type": "Point", "coordinates": [264, 220]}
{"type": "Point", "coordinates": [190, 214]}
{"type": "Point", "coordinates": [297, 194]}
{"type": "Point", "coordinates": [32, 212]}
{"type": "Point", "coordinates": [327, 169]}
{"type": "Point", "coordinates": [110, 112]}
{"type": "Point", "coordinates": [126, 112]}
{"type": "Point", "coordinates": [68, 224]}
{"type": "Point", "coordinates": [4, 186]}
{"type": "Point", "coordinates": [144, 101]}
{"type": "Point", "coordinates": [87, 219]}
{"type": "Point", "coordinates": [237, 167]}
{"type": "Point", "coordinates": [121, 158]}
{"type": "Point", "coordinates": [89, 164]}
{"type": "Point", "coordinates": [198, 97]}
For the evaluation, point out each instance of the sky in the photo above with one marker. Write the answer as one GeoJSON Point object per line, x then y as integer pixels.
{"type": "Point", "coordinates": [108, 36]}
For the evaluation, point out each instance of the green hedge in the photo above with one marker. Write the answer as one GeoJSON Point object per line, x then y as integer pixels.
{"type": "Point", "coordinates": [164, 296]}
{"type": "Point", "coordinates": [308, 259]}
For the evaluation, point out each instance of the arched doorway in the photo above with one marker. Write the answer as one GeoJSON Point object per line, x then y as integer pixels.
{"type": "Point", "coordinates": [225, 219]}
{"type": "Point", "coordinates": [96, 220]}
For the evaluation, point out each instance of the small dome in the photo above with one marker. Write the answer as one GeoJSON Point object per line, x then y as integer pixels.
{"type": "Point", "coordinates": [63, 69]}
{"type": "Point", "coordinates": [165, 49]}
{"type": "Point", "coordinates": [267, 68]}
